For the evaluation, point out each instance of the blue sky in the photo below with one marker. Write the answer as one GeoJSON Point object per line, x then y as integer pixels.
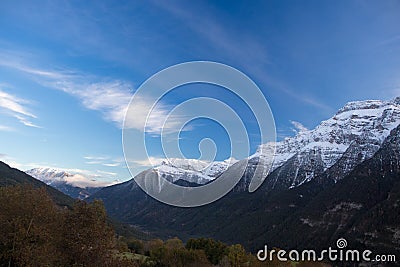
{"type": "Point", "coordinates": [69, 68]}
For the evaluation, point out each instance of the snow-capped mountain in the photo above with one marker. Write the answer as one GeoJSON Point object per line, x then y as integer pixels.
{"type": "Point", "coordinates": [192, 170]}
{"type": "Point", "coordinates": [363, 206]}
{"type": "Point", "coordinates": [351, 136]}
{"type": "Point", "coordinates": [48, 175]}
{"type": "Point", "coordinates": [63, 181]}
{"type": "Point", "coordinates": [333, 148]}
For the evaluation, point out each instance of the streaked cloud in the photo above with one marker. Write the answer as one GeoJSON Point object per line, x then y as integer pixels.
{"type": "Point", "coordinates": [107, 173]}
{"type": "Point", "coordinates": [149, 162]}
{"type": "Point", "coordinates": [5, 128]}
{"type": "Point", "coordinates": [104, 161]}
{"type": "Point", "coordinates": [93, 162]}
{"type": "Point", "coordinates": [25, 121]}
{"type": "Point", "coordinates": [110, 98]}
{"type": "Point", "coordinates": [95, 157]}
{"type": "Point", "coordinates": [111, 164]}
{"type": "Point", "coordinates": [15, 106]}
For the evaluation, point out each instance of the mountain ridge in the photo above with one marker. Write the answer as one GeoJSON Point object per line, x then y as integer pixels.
{"type": "Point", "coordinates": [277, 205]}
{"type": "Point", "coordinates": [12, 177]}
{"type": "Point", "coordinates": [59, 179]}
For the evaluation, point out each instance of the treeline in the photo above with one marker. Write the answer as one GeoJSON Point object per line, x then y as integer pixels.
{"type": "Point", "coordinates": [36, 232]}
{"type": "Point", "coordinates": [196, 252]}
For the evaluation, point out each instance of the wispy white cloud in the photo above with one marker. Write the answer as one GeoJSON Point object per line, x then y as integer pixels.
{"type": "Point", "coordinates": [104, 161]}
{"type": "Point", "coordinates": [107, 173]}
{"type": "Point", "coordinates": [95, 157]}
{"type": "Point", "coordinates": [110, 98]}
{"type": "Point", "coordinates": [26, 121]}
{"type": "Point", "coordinates": [298, 127]}
{"type": "Point", "coordinates": [14, 104]}
{"type": "Point", "coordinates": [93, 162]}
{"type": "Point", "coordinates": [83, 181]}
{"type": "Point", "coordinates": [5, 128]}
{"type": "Point", "coordinates": [116, 164]}
{"type": "Point", "coordinates": [148, 162]}
{"type": "Point", "coordinates": [16, 107]}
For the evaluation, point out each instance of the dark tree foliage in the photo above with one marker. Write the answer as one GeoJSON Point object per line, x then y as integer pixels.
{"type": "Point", "coordinates": [87, 236]}
{"type": "Point", "coordinates": [28, 227]}
{"type": "Point", "coordinates": [215, 250]}
{"type": "Point", "coordinates": [36, 232]}
{"type": "Point", "coordinates": [173, 253]}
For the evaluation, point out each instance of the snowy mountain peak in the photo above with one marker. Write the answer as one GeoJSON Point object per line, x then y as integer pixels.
{"type": "Point", "coordinates": [351, 136]}
{"type": "Point", "coordinates": [49, 175]}
{"type": "Point", "coordinates": [53, 177]}
{"type": "Point", "coordinates": [74, 185]}
{"type": "Point", "coordinates": [356, 132]}
{"type": "Point", "coordinates": [192, 170]}
{"type": "Point", "coordinates": [186, 164]}
{"type": "Point", "coordinates": [360, 105]}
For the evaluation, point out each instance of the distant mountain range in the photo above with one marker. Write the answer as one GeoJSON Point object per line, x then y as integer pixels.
{"type": "Point", "coordinates": [189, 171]}
{"type": "Point", "coordinates": [334, 147]}
{"type": "Point", "coordinates": [14, 177]}
{"type": "Point", "coordinates": [340, 179]}
{"type": "Point", "coordinates": [59, 179]}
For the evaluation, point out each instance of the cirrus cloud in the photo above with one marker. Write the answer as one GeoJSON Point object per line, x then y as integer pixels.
{"type": "Point", "coordinates": [15, 106]}
{"type": "Point", "coordinates": [109, 97]}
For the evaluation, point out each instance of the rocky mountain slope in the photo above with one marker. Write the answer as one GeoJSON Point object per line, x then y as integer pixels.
{"type": "Point", "coordinates": [348, 138]}
{"type": "Point", "coordinates": [362, 207]}
{"type": "Point", "coordinates": [192, 170]}
{"type": "Point", "coordinates": [10, 177]}
{"type": "Point", "coordinates": [338, 144]}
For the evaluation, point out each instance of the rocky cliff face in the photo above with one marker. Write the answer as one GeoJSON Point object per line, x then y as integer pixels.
{"type": "Point", "coordinates": [339, 144]}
